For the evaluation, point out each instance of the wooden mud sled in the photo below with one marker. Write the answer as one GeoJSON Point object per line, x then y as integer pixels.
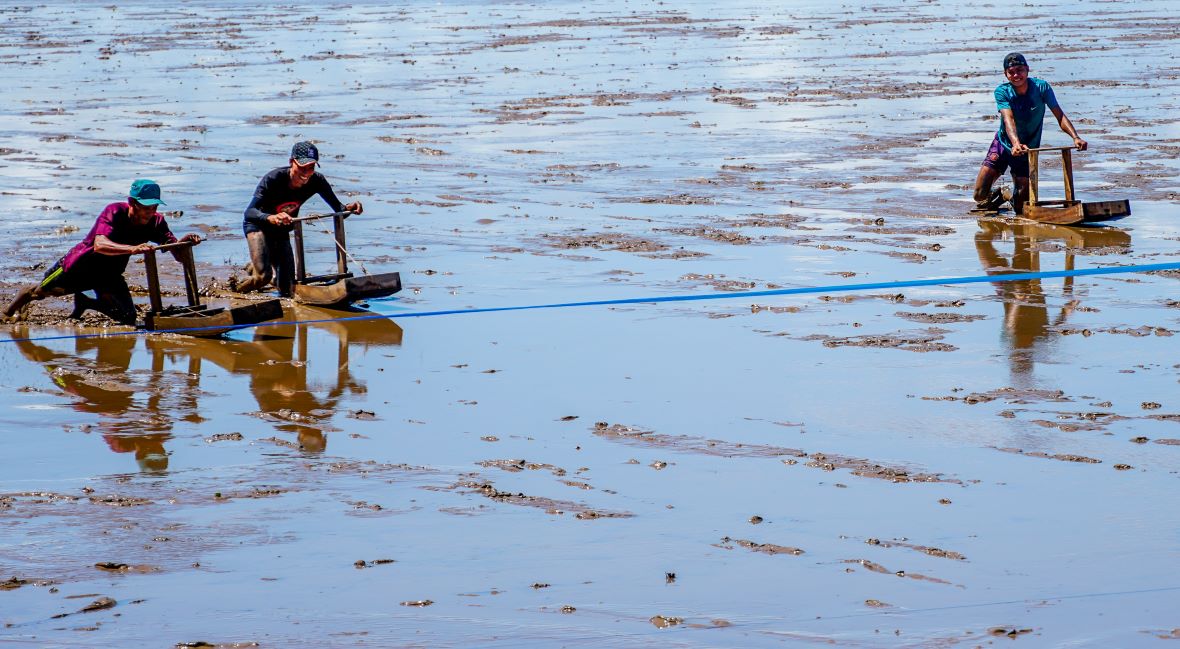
{"type": "Point", "coordinates": [340, 288]}
{"type": "Point", "coordinates": [196, 319]}
{"type": "Point", "coordinates": [1068, 211]}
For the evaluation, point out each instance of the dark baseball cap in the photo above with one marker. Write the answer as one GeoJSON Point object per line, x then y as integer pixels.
{"type": "Point", "coordinates": [305, 153]}
{"type": "Point", "coordinates": [145, 192]}
{"type": "Point", "coordinates": [1015, 58]}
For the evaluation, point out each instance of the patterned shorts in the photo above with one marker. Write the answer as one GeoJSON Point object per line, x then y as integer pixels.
{"type": "Point", "coordinates": [1001, 159]}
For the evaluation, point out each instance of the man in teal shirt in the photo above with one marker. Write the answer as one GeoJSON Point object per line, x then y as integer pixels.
{"type": "Point", "coordinates": [1021, 103]}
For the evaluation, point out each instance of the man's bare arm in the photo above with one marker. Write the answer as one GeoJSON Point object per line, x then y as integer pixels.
{"type": "Point", "coordinates": [104, 246]}
{"type": "Point", "coordinates": [1018, 148]}
{"type": "Point", "coordinates": [177, 253]}
{"type": "Point", "coordinates": [1067, 126]}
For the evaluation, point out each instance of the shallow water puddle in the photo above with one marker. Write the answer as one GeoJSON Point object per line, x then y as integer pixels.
{"type": "Point", "coordinates": [939, 466]}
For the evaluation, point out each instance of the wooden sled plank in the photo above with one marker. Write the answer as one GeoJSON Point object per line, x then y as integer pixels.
{"type": "Point", "coordinates": [348, 290]}
{"type": "Point", "coordinates": [1106, 210]}
{"type": "Point", "coordinates": [1056, 212]}
{"type": "Point", "coordinates": [205, 323]}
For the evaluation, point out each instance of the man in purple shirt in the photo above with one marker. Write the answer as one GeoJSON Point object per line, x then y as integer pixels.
{"type": "Point", "coordinates": [99, 261]}
{"type": "Point", "coordinates": [277, 200]}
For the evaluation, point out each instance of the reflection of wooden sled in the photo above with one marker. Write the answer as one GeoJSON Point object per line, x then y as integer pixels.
{"type": "Point", "coordinates": [196, 319]}
{"type": "Point", "coordinates": [1072, 237]}
{"type": "Point", "coordinates": [1068, 211]}
{"type": "Point", "coordinates": [340, 288]}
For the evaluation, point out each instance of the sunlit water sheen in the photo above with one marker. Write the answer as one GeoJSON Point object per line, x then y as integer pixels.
{"type": "Point", "coordinates": [539, 476]}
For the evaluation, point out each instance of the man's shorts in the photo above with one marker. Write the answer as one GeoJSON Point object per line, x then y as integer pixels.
{"type": "Point", "coordinates": [1001, 159]}
{"type": "Point", "coordinates": [79, 278]}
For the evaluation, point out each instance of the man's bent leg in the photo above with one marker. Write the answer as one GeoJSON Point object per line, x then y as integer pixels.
{"type": "Point", "coordinates": [1020, 179]}
{"type": "Point", "coordinates": [995, 163]}
{"type": "Point", "coordinates": [82, 303]}
{"type": "Point", "coordinates": [114, 300]}
{"type": "Point", "coordinates": [55, 283]}
{"type": "Point", "coordinates": [983, 184]}
{"type": "Point", "coordinates": [283, 258]}
{"type": "Point", "coordinates": [1021, 196]}
{"type": "Point", "coordinates": [259, 267]}
{"type": "Point", "coordinates": [26, 295]}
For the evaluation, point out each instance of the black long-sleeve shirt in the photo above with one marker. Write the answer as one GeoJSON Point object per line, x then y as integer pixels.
{"type": "Point", "coordinates": [274, 192]}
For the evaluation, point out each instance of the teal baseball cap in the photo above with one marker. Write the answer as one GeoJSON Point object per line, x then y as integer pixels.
{"type": "Point", "coordinates": [145, 192]}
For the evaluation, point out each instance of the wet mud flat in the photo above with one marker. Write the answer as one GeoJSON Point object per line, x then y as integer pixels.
{"type": "Point", "coordinates": [947, 466]}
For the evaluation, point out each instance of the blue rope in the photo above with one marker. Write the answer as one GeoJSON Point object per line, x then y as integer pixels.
{"type": "Point", "coordinates": [870, 286]}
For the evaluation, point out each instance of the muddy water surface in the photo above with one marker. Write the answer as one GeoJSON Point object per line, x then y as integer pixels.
{"type": "Point", "coordinates": [949, 466]}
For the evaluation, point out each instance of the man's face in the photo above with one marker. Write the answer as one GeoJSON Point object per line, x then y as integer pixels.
{"type": "Point", "coordinates": [1017, 74]}
{"type": "Point", "coordinates": [300, 174]}
{"type": "Point", "coordinates": [142, 214]}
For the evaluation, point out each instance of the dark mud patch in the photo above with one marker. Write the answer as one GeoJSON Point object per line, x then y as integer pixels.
{"type": "Point", "coordinates": [296, 418]}
{"type": "Point", "coordinates": [115, 500]}
{"type": "Point", "coordinates": [786, 221]}
{"type": "Point", "coordinates": [663, 621]}
{"type": "Point", "coordinates": [924, 549]}
{"type": "Point", "coordinates": [137, 532]}
{"type": "Point", "coordinates": [607, 241]}
{"type": "Point", "coordinates": [1061, 457]}
{"type": "Point", "coordinates": [911, 257]}
{"type": "Point", "coordinates": [1011, 632]}
{"type": "Point", "coordinates": [721, 283]}
{"type": "Point", "coordinates": [224, 437]}
{"type": "Point", "coordinates": [281, 442]}
{"type": "Point", "coordinates": [938, 318]}
{"type": "Point", "coordinates": [1067, 427]}
{"type": "Point", "coordinates": [201, 644]}
{"type": "Point", "coordinates": [878, 568]}
{"type": "Point", "coordinates": [673, 199]}
{"type": "Point", "coordinates": [711, 234]}
{"type": "Point", "coordinates": [123, 568]}
{"type": "Point", "coordinates": [361, 564]}
{"type": "Point", "coordinates": [587, 168]}
{"type": "Point", "coordinates": [824, 461]}
{"type": "Point", "coordinates": [581, 511]}
{"type": "Point", "coordinates": [688, 444]}
{"type": "Point", "coordinates": [910, 342]}
{"type": "Point", "coordinates": [765, 548]}
{"type": "Point", "coordinates": [257, 491]}
{"type": "Point", "coordinates": [14, 582]}
{"type": "Point", "coordinates": [869, 469]}
{"type": "Point", "coordinates": [895, 298]}
{"type": "Point", "coordinates": [1008, 395]}
{"type": "Point", "coordinates": [516, 466]}
{"type": "Point", "coordinates": [294, 119]}
{"type": "Point", "coordinates": [910, 230]}
{"type": "Point", "coordinates": [1137, 332]}
{"type": "Point", "coordinates": [759, 308]}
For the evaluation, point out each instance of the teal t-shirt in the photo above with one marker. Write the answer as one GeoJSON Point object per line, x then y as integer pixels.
{"type": "Point", "coordinates": [1028, 110]}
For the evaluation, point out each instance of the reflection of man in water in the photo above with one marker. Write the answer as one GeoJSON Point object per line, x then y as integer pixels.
{"type": "Point", "coordinates": [283, 394]}
{"type": "Point", "coordinates": [1026, 314]}
{"type": "Point", "coordinates": [1026, 318]}
{"type": "Point", "coordinates": [268, 223]}
{"type": "Point", "coordinates": [276, 362]}
{"type": "Point", "coordinates": [99, 261]}
{"type": "Point", "coordinates": [100, 387]}
{"type": "Point", "coordinates": [1021, 103]}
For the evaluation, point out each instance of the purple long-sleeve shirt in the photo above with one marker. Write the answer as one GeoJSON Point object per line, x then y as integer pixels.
{"type": "Point", "coordinates": [115, 224]}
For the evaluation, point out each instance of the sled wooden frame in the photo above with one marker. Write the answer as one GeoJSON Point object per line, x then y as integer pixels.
{"type": "Point", "coordinates": [1068, 211]}
{"type": "Point", "coordinates": [340, 288]}
{"type": "Point", "coordinates": [196, 319]}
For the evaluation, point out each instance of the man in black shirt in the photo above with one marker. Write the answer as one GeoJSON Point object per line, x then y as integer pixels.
{"type": "Point", "coordinates": [276, 201]}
